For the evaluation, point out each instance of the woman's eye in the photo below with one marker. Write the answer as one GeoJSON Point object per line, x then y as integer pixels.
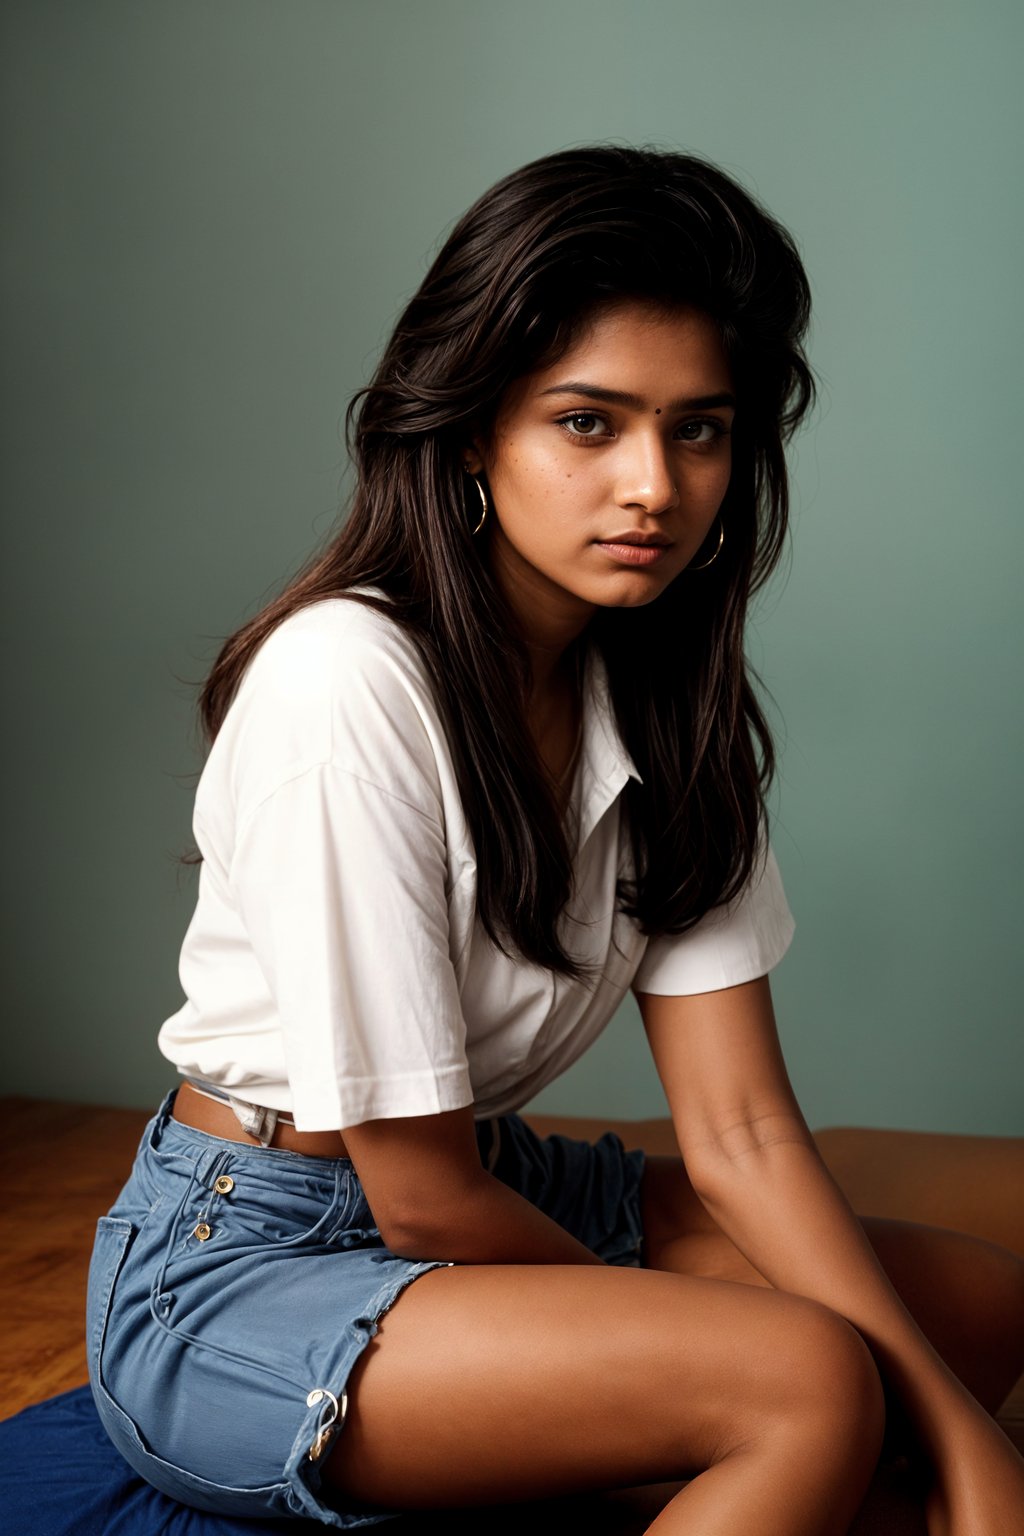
{"type": "Point", "coordinates": [590, 424]}
{"type": "Point", "coordinates": [702, 431]}
{"type": "Point", "coordinates": [583, 423]}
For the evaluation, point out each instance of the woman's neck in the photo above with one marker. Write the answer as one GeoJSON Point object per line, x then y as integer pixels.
{"type": "Point", "coordinates": [549, 619]}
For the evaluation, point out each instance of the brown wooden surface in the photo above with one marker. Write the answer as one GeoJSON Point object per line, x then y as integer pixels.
{"type": "Point", "coordinates": [61, 1166]}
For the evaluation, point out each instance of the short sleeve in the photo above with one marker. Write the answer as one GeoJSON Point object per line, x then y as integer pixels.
{"type": "Point", "coordinates": [731, 944]}
{"type": "Point", "coordinates": [341, 887]}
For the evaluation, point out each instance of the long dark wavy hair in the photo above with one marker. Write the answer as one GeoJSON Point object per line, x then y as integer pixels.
{"type": "Point", "coordinates": [511, 288]}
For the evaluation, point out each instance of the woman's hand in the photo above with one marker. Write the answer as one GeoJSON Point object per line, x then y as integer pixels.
{"type": "Point", "coordinates": [978, 1485]}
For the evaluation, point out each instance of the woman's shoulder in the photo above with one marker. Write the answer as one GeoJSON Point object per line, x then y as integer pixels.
{"type": "Point", "coordinates": [310, 642]}
{"type": "Point", "coordinates": [338, 682]}
{"type": "Point", "coordinates": [338, 653]}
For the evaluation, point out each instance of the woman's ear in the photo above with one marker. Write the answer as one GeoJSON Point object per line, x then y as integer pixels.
{"type": "Point", "coordinates": [473, 454]}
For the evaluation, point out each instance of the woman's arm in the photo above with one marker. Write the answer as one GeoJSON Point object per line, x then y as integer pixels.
{"type": "Point", "coordinates": [754, 1164]}
{"type": "Point", "coordinates": [432, 1198]}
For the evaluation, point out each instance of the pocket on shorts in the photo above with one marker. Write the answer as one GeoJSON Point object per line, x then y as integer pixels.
{"type": "Point", "coordinates": [249, 1205]}
{"type": "Point", "coordinates": [114, 1235]}
{"type": "Point", "coordinates": [237, 1211]}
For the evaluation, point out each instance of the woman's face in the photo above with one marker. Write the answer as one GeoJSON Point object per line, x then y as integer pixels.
{"type": "Point", "coordinates": [627, 434]}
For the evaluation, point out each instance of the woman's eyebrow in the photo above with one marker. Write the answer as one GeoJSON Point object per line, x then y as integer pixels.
{"type": "Point", "coordinates": [636, 402]}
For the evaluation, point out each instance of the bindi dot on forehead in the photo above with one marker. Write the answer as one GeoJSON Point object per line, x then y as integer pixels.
{"type": "Point", "coordinates": [657, 410]}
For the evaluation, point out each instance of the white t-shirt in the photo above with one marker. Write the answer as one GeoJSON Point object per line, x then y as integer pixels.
{"type": "Point", "coordinates": [334, 967]}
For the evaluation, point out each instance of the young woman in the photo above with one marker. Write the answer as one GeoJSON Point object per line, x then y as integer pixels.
{"type": "Point", "coordinates": [492, 759]}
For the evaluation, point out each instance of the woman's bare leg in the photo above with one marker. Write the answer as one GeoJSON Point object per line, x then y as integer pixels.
{"type": "Point", "coordinates": [494, 1382]}
{"type": "Point", "coordinates": [966, 1294]}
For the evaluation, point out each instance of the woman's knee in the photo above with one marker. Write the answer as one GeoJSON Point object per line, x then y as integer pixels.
{"type": "Point", "coordinates": [830, 1383]}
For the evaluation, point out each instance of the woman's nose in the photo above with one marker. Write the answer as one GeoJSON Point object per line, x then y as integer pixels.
{"type": "Point", "coordinates": [646, 478]}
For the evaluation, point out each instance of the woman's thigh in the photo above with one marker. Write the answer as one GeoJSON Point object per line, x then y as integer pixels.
{"type": "Point", "coordinates": [966, 1294]}
{"type": "Point", "coordinates": [491, 1382]}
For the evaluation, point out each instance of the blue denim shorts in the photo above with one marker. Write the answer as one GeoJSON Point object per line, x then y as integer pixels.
{"type": "Point", "coordinates": [232, 1288]}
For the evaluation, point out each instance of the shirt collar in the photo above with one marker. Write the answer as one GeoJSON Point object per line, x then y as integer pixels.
{"type": "Point", "coordinates": [604, 763]}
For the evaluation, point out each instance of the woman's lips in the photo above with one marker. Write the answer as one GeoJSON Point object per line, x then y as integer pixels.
{"type": "Point", "coordinates": [635, 554]}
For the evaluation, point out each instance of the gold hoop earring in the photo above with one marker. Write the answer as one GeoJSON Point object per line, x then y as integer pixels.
{"type": "Point", "coordinates": [718, 550]}
{"type": "Point", "coordinates": [483, 497]}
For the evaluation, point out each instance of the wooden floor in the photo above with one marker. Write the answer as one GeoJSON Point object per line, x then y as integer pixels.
{"type": "Point", "coordinates": [61, 1166]}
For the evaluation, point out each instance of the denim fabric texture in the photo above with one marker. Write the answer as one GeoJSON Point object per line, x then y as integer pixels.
{"type": "Point", "coordinates": [218, 1361]}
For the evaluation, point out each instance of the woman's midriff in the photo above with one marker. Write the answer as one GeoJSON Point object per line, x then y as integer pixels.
{"type": "Point", "coordinates": [203, 1114]}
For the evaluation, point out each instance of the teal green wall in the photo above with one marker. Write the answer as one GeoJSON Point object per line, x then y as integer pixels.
{"type": "Point", "coordinates": [212, 214]}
